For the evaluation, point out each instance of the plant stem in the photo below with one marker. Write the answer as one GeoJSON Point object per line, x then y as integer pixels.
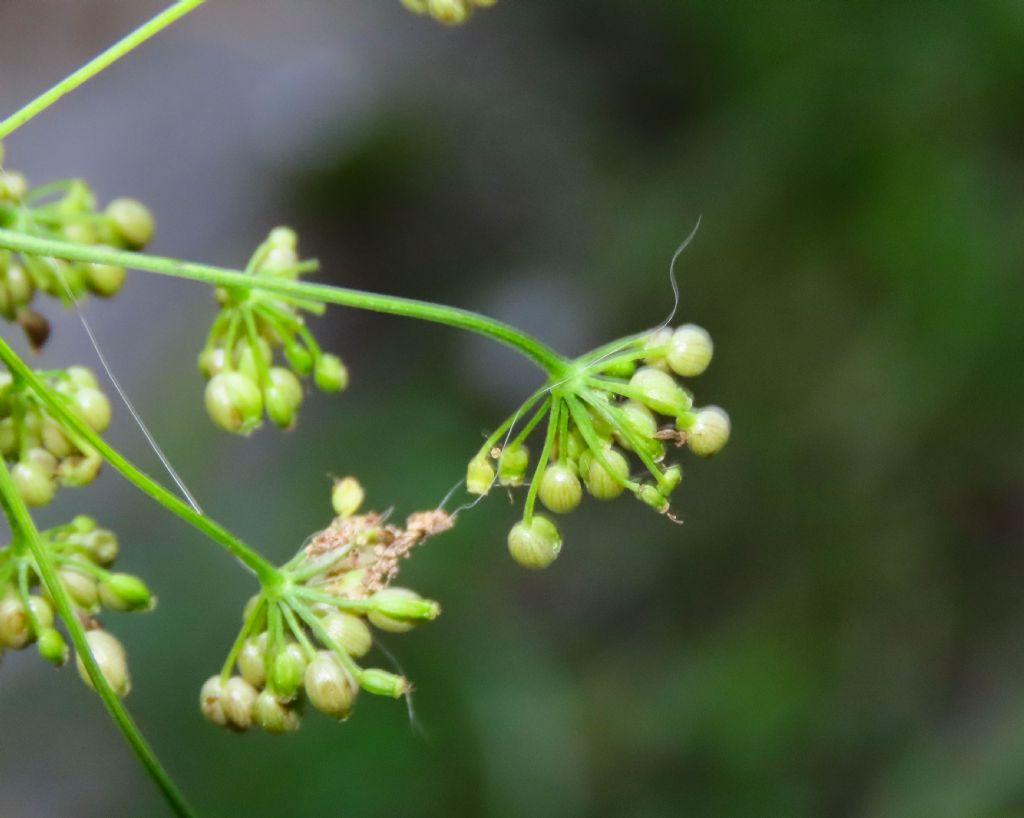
{"type": "Point", "coordinates": [541, 354]}
{"type": "Point", "coordinates": [97, 64]}
{"type": "Point", "coordinates": [23, 528]}
{"type": "Point", "coordinates": [268, 575]}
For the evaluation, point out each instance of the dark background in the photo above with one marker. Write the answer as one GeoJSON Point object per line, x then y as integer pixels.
{"type": "Point", "coordinates": [836, 629]}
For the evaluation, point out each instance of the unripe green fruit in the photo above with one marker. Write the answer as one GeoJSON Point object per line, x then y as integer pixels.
{"type": "Point", "coordinates": [534, 544]}
{"type": "Point", "coordinates": [274, 717]}
{"type": "Point", "coordinates": [124, 592]}
{"type": "Point", "coordinates": [34, 485]}
{"type": "Point", "coordinates": [211, 701]}
{"type": "Point", "coordinates": [641, 423]}
{"type": "Point", "coordinates": [132, 222]}
{"type": "Point", "coordinates": [286, 671]}
{"type": "Point", "coordinates": [52, 646]}
{"type": "Point", "coordinates": [690, 350]}
{"type": "Point", "coordinates": [350, 633]}
{"type": "Point", "coordinates": [650, 495]}
{"type": "Point", "coordinates": [83, 524]}
{"type": "Point", "coordinates": [8, 437]}
{"type": "Point", "coordinates": [657, 346]}
{"type": "Point", "coordinates": [80, 470]}
{"type": "Point", "coordinates": [20, 285]}
{"type": "Point", "coordinates": [251, 661]}
{"type": "Point", "coordinates": [672, 477]}
{"type": "Point", "coordinates": [347, 496]}
{"type": "Point", "coordinates": [94, 407]}
{"type": "Point", "coordinates": [211, 361]}
{"type": "Point", "coordinates": [234, 402]}
{"type": "Point", "coordinates": [479, 475]}
{"type": "Point", "coordinates": [399, 609]}
{"type": "Point", "coordinates": [560, 490]}
{"type": "Point", "coordinates": [40, 457]}
{"type": "Point", "coordinates": [15, 624]}
{"type": "Point", "coordinates": [81, 377]}
{"type": "Point", "coordinates": [381, 683]}
{"type": "Point", "coordinates": [709, 432]}
{"type": "Point", "coordinates": [282, 396]}
{"type": "Point", "coordinates": [100, 545]}
{"type": "Point", "coordinates": [238, 698]}
{"type": "Point", "coordinates": [619, 369]}
{"type": "Point", "coordinates": [330, 373]}
{"type": "Point", "coordinates": [104, 279]}
{"type": "Point", "coordinates": [606, 483]}
{"type": "Point", "coordinates": [298, 357]}
{"type": "Point", "coordinates": [659, 391]}
{"type": "Point", "coordinates": [329, 686]}
{"type": "Point", "coordinates": [512, 465]}
{"type": "Point", "coordinates": [111, 658]}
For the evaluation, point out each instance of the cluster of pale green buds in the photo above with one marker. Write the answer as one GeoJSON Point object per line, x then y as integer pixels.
{"type": "Point", "coordinates": [42, 451]}
{"type": "Point", "coordinates": [450, 12]}
{"type": "Point", "coordinates": [239, 357]}
{"type": "Point", "coordinates": [64, 210]}
{"type": "Point", "coordinates": [301, 641]}
{"type": "Point", "coordinates": [83, 554]}
{"type": "Point", "coordinates": [612, 411]}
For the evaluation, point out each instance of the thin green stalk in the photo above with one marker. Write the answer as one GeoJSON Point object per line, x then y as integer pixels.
{"type": "Point", "coordinates": [557, 407]}
{"type": "Point", "coordinates": [268, 575]}
{"type": "Point", "coordinates": [541, 354]}
{"type": "Point", "coordinates": [23, 529]}
{"type": "Point", "coordinates": [97, 64]}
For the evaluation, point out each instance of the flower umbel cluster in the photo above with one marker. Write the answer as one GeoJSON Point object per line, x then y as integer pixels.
{"type": "Point", "coordinates": [451, 12]}
{"type": "Point", "coordinates": [64, 210]}
{"type": "Point", "coordinates": [613, 411]}
{"type": "Point", "coordinates": [239, 356]}
{"type": "Point", "coordinates": [43, 452]}
{"type": "Point", "coordinates": [83, 554]}
{"type": "Point", "coordinates": [306, 635]}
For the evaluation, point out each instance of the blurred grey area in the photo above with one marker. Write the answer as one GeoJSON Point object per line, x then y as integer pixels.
{"type": "Point", "coordinates": [835, 631]}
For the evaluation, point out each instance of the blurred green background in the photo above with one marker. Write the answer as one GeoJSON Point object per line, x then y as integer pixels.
{"type": "Point", "coordinates": [836, 628]}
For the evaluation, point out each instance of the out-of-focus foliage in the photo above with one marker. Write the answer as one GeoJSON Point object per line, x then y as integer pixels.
{"type": "Point", "coordinates": [836, 629]}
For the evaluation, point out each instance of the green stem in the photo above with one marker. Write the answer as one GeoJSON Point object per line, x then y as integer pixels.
{"type": "Point", "coordinates": [541, 354]}
{"type": "Point", "coordinates": [24, 529]}
{"type": "Point", "coordinates": [557, 407]}
{"type": "Point", "coordinates": [97, 64]}
{"type": "Point", "coordinates": [268, 575]}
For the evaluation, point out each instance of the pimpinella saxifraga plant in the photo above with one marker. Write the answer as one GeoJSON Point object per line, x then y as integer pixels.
{"type": "Point", "coordinates": [613, 418]}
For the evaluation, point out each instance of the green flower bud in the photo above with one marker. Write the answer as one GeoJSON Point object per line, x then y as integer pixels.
{"type": "Point", "coordinates": [602, 483]}
{"type": "Point", "coordinates": [416, 6]}
{"type": "Point", "coordinates": [286, 671]}
{"type": "Point", "coordinates": [238, 698]}
{"type": "Point", "coordinates": [709, 432]}
{"type": "Point", "coordinates": [94, 407]}
{"type": "Point", "coordinates": [99, 545]}
{"type": "Point", "coordinates": [479, 475]}
{"type": "Point", "coordinates": [55, 439]}
{"type": "Point", "coordinates": [512, 465]}
{"type": "Point", "coordinates": [381, 683]}
{"type": "Point", "coordinates": [347, 496]}
{"type": "Point", "coordinates": [350, 633]}
{"type": "Point", "coordinates": [35, 486]}
{"type": "Point", "coordinates": [671, 479]}
{"type": "Point", "coordinates": [211, 361]}
{"type": "Point", "coordinates": [20, 285]}
{"type": "Point", "coordinates": [330, 373]}
{"type": "Point", "coordinates": [124, 592]}
{"type": "Point", "coordinates": [80, 470]}
{"type": "Point", "coordinates": [83, 524]}
{"type": "Point", "coordinates": [274, 717]}
{"type": "Point", "coordinates": [52, 647]}
{"type": "Point", "coordinates": [13, 186]}
{"type": "Point", "coordinates": [660, 392]}
{"type": "Point", "coordinates": [211, 701]}
{"type": "Point", "coordinates": [234, 402]}
{"type": "Point", "coordinates": [560, 490]}
{"type": "Point", "coordinates": [329, 686]}
{"type": "Point", "coordinates": [534, 544]}
{"type": "Point", "coordinates": [690, 350]}
{"type": "Point", "coordinates": [642, 424]}
{"type": "Point", "coordinates": [250, 359]}
{"type": "Point", "coordinates": [251, 661]}
{"type": "Point", "coordinates": [111, 658]}
{"type": "Point", "coordinates": [399, 609]}
{"type": "Point", "coordinates": [15, 625]}
{"type": "Point", "coordinates": [298, 357]}
{"type": "Point", "coordinates": [650, 495]}
{"type": "Point", "coordinates": [282, 396]}
{"type": "Point", "coordinates": [38, 456]}
{"type": "Point", "coordinates": [104, 279]}
{"type": "Point", "coordinates": [81, 377]}
{"type": "Point", "coordinates": [657, 346]}
{"type": "Point", "coordinates": [132, 222]}
{"type": "Point", "coordinates": [8, 437]}
{"type": "Point", "coordinates": [449, 12]}
{"type": "Point", "coordinates": [81, 588]}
